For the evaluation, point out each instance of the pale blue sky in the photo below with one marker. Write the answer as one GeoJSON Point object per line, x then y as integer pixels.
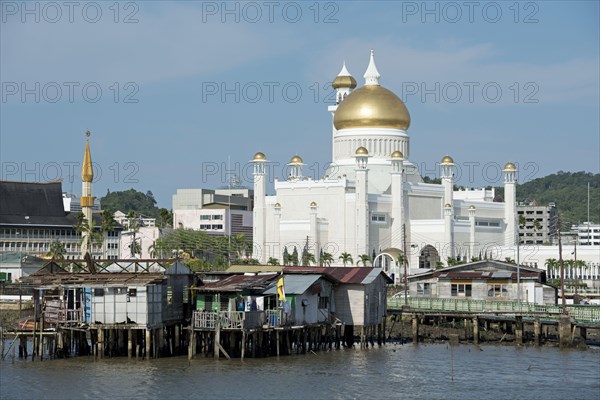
{"type": "Point", "coordinates": [543, 56]}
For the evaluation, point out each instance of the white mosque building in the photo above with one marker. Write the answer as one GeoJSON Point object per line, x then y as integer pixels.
{"type": "Point", "coordinates": [372, 200]}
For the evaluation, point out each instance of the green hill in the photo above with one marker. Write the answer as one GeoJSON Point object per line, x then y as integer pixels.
{"type": "Point", "coordinates": [568, 190]}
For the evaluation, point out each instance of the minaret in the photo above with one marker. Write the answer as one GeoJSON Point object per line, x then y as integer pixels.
{"type": "Point", "coordinates": [295, 165]}
{"type": "Point", "coordinates": [277, 251]}
{"type": "Point", "coordinates": [446, 166]}
{"type": "Point", "coordinates": [471, 231]}
{"type": "Point", "coordinates": [397, 173]}
{"type": "Point", "coordinates": [258, 214]}
{"type": "Point", "coordinates": [86, 200]}
{"type": "Point", "coordinates": [449, 229]}
{"type": "Point", "coordinates": [362, 202]}
{"type": "Point", "coordinates": [314, 231]}
{"type": "Point", "coordinates": [510, 203]}
{"type": "Point", "coordinates": [343, 84]}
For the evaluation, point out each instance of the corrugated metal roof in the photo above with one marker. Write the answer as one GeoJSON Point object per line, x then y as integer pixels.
{"type": "Point", "coordinates": [254, 268]}
{"type": "Point", "coordinates": [350, 275]}
{"type": "Point", "coordinates": [295, 284]}
{"type": "Point", "coordinates": [238, 283]}
{"type": "Point", "coordinates": [93, 280]}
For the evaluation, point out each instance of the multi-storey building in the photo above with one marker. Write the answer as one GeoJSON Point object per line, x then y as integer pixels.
{"type": "Point", "coordinates": [215, 211]}
{"type": "Point", "coordinates": [537, 224]}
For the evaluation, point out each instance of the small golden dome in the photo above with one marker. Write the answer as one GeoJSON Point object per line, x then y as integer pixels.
{"type": "Point", "coordinates": [313, 204]}
{"type": "Point", "coordinates": [344, 82]}
{"type": "Point", "coordinates": [296, 160]}
{"type": "Point", "coordinates": [259, 157]}
{"type": "Point", "coordinates": [277, 205]}
{"type": "Point", "coordinates": [361, 151]}
{"type": "Point", "coordinates": [510, 167]}
{"type": "Point", "coordinates": [447, 205]}
{"type": "Point", "coordinates": [397, 154]}
{"type": "Point", "coordinates": [447, 160]}
{"type": "Point", "coordinates": [471, 207]}
{"type": "Point", "coordinates": [372, 106]}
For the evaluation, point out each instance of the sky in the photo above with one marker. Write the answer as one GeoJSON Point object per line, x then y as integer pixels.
{"type": "Point", "coordinates": [181, 94]}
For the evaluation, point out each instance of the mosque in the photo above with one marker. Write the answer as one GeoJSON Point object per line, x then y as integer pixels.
{"type": "Point", "coordinates": [372, 201]}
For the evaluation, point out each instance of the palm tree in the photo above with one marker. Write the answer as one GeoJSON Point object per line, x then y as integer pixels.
{"type": "Point", "coordinates": [107, 224]}
{"type": "Point", "coordinates": [307, 258]}
{"type": "Point", "coordinates": [89, 234]}
{"type": "Point", "coordinates": [346, 258]}
{"type": "Point", "coordinates": [551, 265]}
{"type": "Point", "coordinates": [327, 259]}
{"type": "Point", "coordinates": [56, 251]}
{"type": "Point", "coordinates": [364, 259]}
{"type": "Point", "coordinates": [273, 261]}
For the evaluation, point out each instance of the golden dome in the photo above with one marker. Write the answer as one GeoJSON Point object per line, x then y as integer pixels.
{"type": "Point", "coordinates": [313, 204]}
{"type": "Point", "coordinates": [361, 151]}
{"type": "Point", "coordinates": [447, 160]}
{"type": "Point", "coordinates": [397, 154]}
{"type": "Point", "coordinates": [296, 160]}
{"type": "Point", "coordinates": [344, 82]}
{"type": "Point", "coordinates": [259, 157]}
{"type": "Point", "coordinates": [510, 167]}
{"type": "Point", "coordinates": [277, 205]}
{"type": "Point", "coordinates": [372, 106]}
{"type": "Point", "coordinates": [447, 205]}
{"type": "Point", "coordinates": [471, 207]}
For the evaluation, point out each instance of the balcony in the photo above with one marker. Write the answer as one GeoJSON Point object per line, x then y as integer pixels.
{"type": "Point", "coordinates": [237, 320]}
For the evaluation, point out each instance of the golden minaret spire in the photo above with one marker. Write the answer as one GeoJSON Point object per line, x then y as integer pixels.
{"type": "Point", "coordinates": [87, 200]}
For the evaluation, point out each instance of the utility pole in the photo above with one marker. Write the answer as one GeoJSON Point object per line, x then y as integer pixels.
{"type": "Point", "coordinates": [404, 262]}
{"type": "Point", "coordinates": [575, 296]}
{"type": "Point", "coordinates": [562, 269]}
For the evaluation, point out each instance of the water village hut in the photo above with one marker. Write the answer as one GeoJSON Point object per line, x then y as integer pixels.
{"type": "Point", "coordinates": [236, 300]}
{"type": "Point", "coordinates": [484, 280]}
{"type": "Point", "coordinates": [309, 298]}
{"type": "Point", "coordinates": [144, 306]}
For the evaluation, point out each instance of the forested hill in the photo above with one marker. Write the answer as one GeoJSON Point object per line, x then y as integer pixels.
{"type": "Point", "coordinates": [569, 191]}
{"type": "Point", "coordinates": [131, 200]}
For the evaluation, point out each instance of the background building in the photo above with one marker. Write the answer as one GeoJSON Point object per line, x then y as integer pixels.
{"type": "Point", "coordinates": [215, 211]}
{"type": "Point", "coordinates": [537, 224]}
{"type": "Point", "coordinates": [32, 216]}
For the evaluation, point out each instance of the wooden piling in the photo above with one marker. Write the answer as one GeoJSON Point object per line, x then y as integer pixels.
{"type": "Point", "coordinates": [415, 329]}
{"type": "Point", "coordinates": [475, 330]}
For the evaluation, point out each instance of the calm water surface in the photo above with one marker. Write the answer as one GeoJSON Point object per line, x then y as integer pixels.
{"type": "Point", "coordinates": [391, 372]}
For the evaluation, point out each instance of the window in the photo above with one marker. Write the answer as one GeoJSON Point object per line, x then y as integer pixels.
{"type": "Point", "coordinates": [217, 217]}
{"type": "Point", "coordinates": [380, 218]}
{"type": "Point", "coordinates": [461, 290]}
{"type": "Point", "coordinates": [424, 289]}
{"type": "Point", "coordinates": [132, 292]}
{"type": "Point", "coordinates": [98, 292]}
{"type": "Point", "coordinates": [497, 290]}
{"type": "Point", "coordinates": [204, 217]}
{"type": "Point", "coordinates": [323, 302]}
{"type": "Point", "coordinates": [169, 294]}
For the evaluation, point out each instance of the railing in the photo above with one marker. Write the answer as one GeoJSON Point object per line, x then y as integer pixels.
{"type": "Point", "coordinates": [274, 318]}
{"type": "Point", "coordinates": [236, 319]}
{"type": "Point", "coordinates": [580, 313]}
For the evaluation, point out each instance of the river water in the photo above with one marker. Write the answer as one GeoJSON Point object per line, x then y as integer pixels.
{"type": "Point", "coordinates": [436, 371]}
